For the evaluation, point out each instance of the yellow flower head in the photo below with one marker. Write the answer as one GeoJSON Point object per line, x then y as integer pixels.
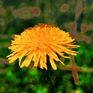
{"type": "Point", "coordinates": [38, 42]}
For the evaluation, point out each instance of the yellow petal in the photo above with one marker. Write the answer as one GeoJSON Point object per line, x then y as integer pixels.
{"type": "Point", "coordinates": [44, 60]}
{"type": "Point", "coordinates": [36, 59]}
{"type": "Point", "coordinates": [53, 64]}
{"type": "Point", "coordinates": [41, 63]}
{"type": "Point", "coordinates": [27, 61]}
{"type": "Point", "coordinates": [56, 47]}
{"type": "Point", "coordinates": [12, 54]}
{"type": "Point", "coordinates": [52, 54]}
{"type": "Point", "coordinates": [62, 62]}
{"type": "Point", "coordinates": [12, 58]}
{"type": "Point", "coordinates": [22, 53]}
{"type": "Point", "coordinates": [71, 52]}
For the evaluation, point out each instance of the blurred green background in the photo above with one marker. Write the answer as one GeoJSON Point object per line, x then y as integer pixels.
{"type": "Point", "coordinates": [74, 16]}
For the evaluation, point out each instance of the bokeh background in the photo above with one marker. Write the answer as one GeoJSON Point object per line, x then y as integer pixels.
{"type": "Point", "coordinates": [74, 16]}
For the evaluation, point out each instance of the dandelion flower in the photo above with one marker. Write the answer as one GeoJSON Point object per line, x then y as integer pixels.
{"type": "Point", "coordinates": [38, 42]}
